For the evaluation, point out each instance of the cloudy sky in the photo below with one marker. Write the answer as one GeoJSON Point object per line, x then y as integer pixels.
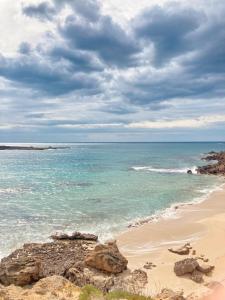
{"type": "Point", "coordinates": [112, 70]}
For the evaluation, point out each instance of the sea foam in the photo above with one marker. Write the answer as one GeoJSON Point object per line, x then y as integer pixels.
{"type": "Point", "coordinates": [162, 170]}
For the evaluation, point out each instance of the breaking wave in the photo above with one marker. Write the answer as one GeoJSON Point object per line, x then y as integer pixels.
{"type": "Point", "coordinates": [162, 170]}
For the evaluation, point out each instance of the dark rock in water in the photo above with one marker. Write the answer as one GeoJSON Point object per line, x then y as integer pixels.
{"type": "Point", "coordinates": [75, 236]}
{"type": "Point", "coordinates": [107, 258]}
{"type": "Point", "coordinates": [217, 168]}
{"type": "Point", "coordinates": [189, 172]}
{"type": "Point", "coordinates": [30, 148]}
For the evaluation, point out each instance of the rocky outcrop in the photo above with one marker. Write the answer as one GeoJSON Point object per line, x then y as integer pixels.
{"type": "Point", "coordinates": [107, 258]}
{"type": "Point", "coordinates": [217, 168]}
{"type": "Point", "coordinates": [35, 261]}
{"type": "Point", "coordinates": [75, 236]}
{"type": "Point", "coordinates": [50, 288]}
{"type": "Point", "coordinates": [193, 269]}
{"type": "Point", "coordinates": [183, 250]}
{"type": "Point", "coordinates": [82, 262]}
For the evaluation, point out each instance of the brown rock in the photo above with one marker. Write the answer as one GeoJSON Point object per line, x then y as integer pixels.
{"type": "Point", "coordinates": [107, 258]}
{"type": "Point", "coordinates": [217, 168]}
{"type": "Point", "coordinates": [184, 250]}
{"type": "Point", "coordinates": [205, 268]}
{"type": "Point", "coordinates": [100, 280]}
{"type": "Point", "coordinates": [185, 266]}
{"type": "Point", "coordinates": [167, 294]}
{"type": "Point", "coordinates": [133, 282]}
{"type": "Point", "coordinates": [75, 236]}
{"type": "Point", "coordinates": [197, 276]}
{"type": "Point", "coordinates": [35, 261]}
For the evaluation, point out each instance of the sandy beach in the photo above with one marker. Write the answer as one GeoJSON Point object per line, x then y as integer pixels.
{"type": "Point", "coordinates": [202, 225]}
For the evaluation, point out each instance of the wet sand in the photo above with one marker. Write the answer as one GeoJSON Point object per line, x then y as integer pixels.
{"type": "Point", "coordinates": [203, 225]}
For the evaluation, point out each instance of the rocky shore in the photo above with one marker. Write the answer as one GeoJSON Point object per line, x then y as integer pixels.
{"type": "Point", "coordinates": [217, 167]}
{"type": "Point", "coordinates": [78, 258]}
{"type": "Point", "coordinates": [30, 148]}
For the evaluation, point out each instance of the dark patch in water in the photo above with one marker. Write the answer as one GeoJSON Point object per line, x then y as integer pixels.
{"type": "Point", "coordinates": [76, 184]}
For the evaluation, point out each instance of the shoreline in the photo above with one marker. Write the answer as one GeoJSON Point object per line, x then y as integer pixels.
{"type": "Point", "coordinates": [196, 223]}
{"type": "Point", "coordinates": [172, 212]}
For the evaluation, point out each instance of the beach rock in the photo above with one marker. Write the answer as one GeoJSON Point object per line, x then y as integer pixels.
{"type": "Point", "coordinates": [205, 269]}
{"type": "Point", "coordinates": [197, 276]}
{"type": "Point", "coordinates": [184, 250]}
{"type": "Point", "coordinates": [167, 294]}
{"type": "Point", "coordinates": [75, 236]}
{"type": "Point", "coordinates": [189, 172]}
{"type": "Point", "coordinates": [107, 258]}
{"type": "Point", "coordinates": [50, 288]}
{"type": "Point", "coordinates": [35, 261]}
{"type": "Point", "coordinates": [185, 266]}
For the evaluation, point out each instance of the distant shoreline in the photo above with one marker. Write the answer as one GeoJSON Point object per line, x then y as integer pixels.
{"type": "Point", "coordinates": [2, 148]}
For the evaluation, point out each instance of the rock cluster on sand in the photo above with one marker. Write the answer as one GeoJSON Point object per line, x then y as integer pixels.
{"type": "Point", "coordinates": [217, 168]}
{"type": "Point", "coordinates": [192, 268]}
{"type": "Point", "coordinates": [80, 261]}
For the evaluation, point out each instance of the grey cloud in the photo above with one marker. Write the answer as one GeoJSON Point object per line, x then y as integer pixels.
{"type": "Point", "coordinates": [44, 77]}
{"type": "Point", "coordinates": [43, 11]}
{"type": "Point", "coordinates": [105, 38]}
{"type": "Point", "coordinates": [168, 29]}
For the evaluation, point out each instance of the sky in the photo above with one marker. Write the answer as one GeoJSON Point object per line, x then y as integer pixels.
{"type": "Point", "coordinates": [112, 70]}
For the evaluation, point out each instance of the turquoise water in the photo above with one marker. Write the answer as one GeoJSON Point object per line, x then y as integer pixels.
{"type": "Point", "coordinates": [99, 188]}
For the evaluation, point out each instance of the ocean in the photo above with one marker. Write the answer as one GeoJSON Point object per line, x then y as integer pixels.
{"type": "Point", "coordinates": [96, 187]}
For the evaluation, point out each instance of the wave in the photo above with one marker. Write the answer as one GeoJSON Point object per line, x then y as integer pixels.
{"type": "Point", "coordinates": [174, 210]}
{"type": "Point", "coordinates": [162, 170]}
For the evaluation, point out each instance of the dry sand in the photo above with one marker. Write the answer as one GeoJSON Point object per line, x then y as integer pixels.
{"type": "Point", "coordinates": [203, 225]}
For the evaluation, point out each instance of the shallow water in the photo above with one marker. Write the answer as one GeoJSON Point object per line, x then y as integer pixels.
{"type": "Point", "coordinates": [99, 188]}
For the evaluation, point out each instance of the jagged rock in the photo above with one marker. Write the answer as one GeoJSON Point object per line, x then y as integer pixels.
{"type": "Point", "coordinates": [50, 288]}
{"type": "Point", "coordinates": [167, 294]}
{"type": "Point", "coordinates": [217, 168]}
{"type": "Point", "coordinates": [100, 280]}
{"type": "Point", "coordinates": [36, 261]}
{"type": "Point", "coordinates": [185, 266]}
{"type": "Point", "coordinates": [184, 250]}
{"type": "Point", "coordinates": [22, 272]}
{"type": "Point", "coordinates": [197, 276]}
{"type": "Point", "coordinates": [205, 269]}
{"type": "Point", "coordinates": [107, 258]}
{"type": "Point", "coordinates": [133, 282]}
{"type": "Point", "coordinates": [75, 236]}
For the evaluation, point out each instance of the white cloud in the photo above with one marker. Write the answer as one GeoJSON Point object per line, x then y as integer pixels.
{"type": "Point", "coordinates": [180, 123]}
